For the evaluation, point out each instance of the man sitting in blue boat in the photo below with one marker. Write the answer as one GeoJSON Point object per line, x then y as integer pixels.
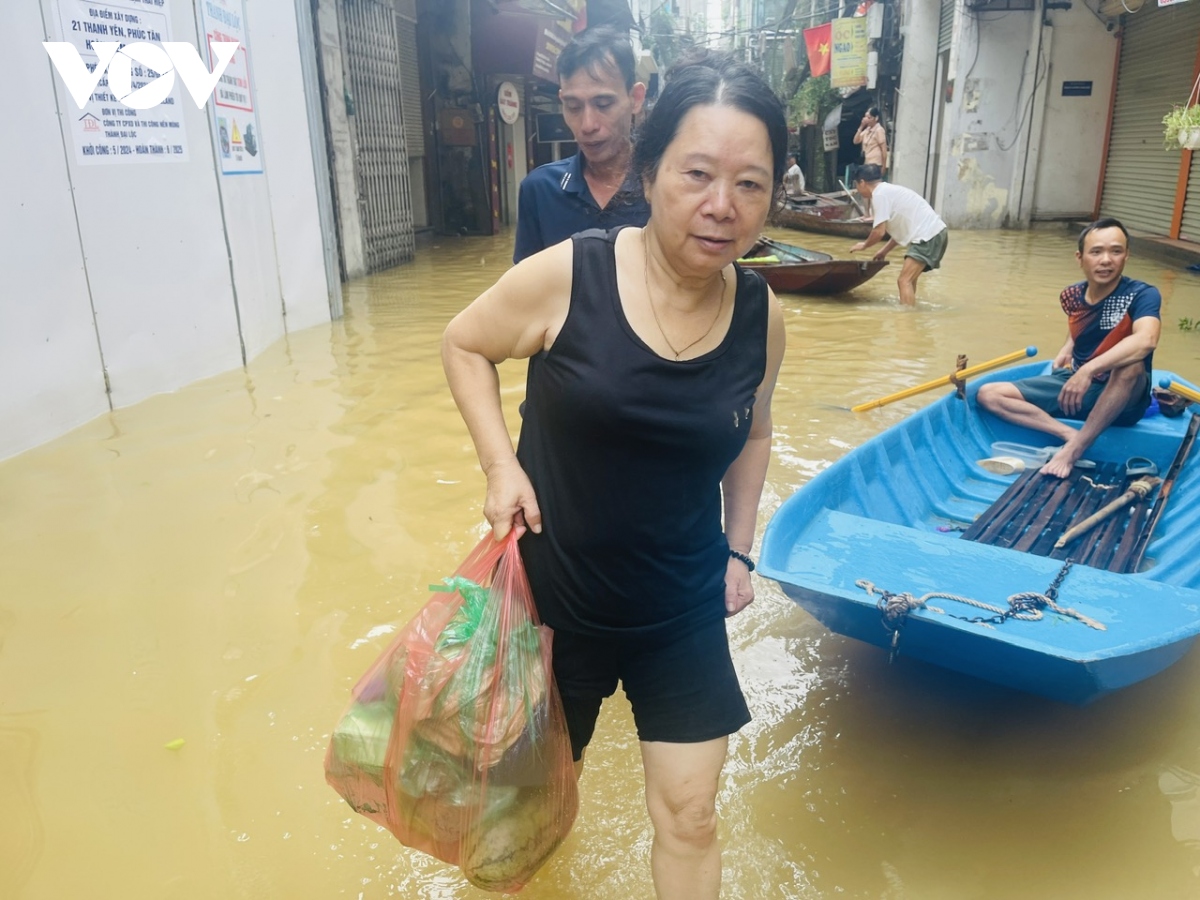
{"type": "Point", "coordinates": [1102, 373]}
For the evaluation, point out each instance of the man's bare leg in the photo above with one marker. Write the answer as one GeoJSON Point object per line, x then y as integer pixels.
{"type": "Point", "coordinates": [907, 282]}
{"type": "Point", "coordinates": [1112, 401]}
{"type": "Point", "coordinates": [1002, 399]}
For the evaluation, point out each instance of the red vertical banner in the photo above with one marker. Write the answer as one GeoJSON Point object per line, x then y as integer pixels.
{"type": "Point", "coordinates": [817, 42]}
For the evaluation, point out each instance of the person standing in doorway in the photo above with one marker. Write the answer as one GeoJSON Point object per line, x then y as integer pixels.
{"type": "Point", "coordinates": [873, 139]}
{"type": "Point", "coordinates": [904, 218]}
{"type": "Point", "coordinates": [600, 98]}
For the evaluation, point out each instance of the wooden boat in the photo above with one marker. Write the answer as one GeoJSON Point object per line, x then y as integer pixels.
{"type": "Point", "coordinates": [841, 219]}
{"type": "Point", "coordinates": [889, 517]}
{"type": "Point", "coordinates": [801, 271]}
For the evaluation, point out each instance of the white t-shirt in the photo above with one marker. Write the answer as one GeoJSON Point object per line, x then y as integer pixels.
{"type": "Point", "coordinates": [910, 219]}
{"type": "Point", "coordinates": [793, 179]}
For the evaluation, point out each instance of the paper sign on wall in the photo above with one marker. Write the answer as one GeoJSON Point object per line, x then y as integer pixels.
{"type": "Point", "coordinates": [234, 122]}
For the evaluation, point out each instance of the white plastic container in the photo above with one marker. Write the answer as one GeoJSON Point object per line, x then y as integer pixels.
{"type": "Point", "coordinates": [1031, 456]}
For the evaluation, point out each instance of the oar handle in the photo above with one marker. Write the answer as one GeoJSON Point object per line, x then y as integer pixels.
{"type": "Point", "coordinates": [1181, 389]}
{"type": "Point", "coordinates": [968, 372]}
{"type": "Point", "coordinates": [857, 205]}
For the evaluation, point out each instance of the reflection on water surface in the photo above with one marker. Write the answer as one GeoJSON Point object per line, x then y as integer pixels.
{"type": "Point", "coordinates": [220, 564]}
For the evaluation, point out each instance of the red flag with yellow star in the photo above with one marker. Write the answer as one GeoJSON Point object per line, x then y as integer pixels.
{"type": "Point", "coordinates": [817, 41]}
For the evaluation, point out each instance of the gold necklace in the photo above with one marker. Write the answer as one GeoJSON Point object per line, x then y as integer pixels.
{"type": "Point", "coordinates": [654, 312]}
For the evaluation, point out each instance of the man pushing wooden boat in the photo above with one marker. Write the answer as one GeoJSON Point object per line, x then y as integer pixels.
{"type": "Point", "coordinates": [1102, 373]}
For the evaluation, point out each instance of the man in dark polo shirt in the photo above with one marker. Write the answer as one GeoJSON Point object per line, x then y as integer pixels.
{"type": "Point", "coordinates": [599, 99]}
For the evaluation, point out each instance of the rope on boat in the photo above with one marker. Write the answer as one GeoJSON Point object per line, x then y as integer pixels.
{"type": "Point", "coordinates": [1099, 487]}
{"type": "Point", "coordinates": [1027, 606]}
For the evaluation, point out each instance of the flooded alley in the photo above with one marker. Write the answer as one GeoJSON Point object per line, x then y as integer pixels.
{"type": "Point", "coordinates": [218, 565]}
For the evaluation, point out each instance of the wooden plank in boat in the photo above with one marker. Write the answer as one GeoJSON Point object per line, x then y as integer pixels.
{"type": "Point", "coordinates": [993, 517]}
{"type": "Point", "coordinates": [1034, 511]}
{"type": "Point", "coordinates": [1050, 510]}
{"type": "Point", "coordinates": [1091, 501]}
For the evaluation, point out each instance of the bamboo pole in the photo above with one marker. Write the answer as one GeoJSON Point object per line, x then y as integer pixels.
{"type": "Point", "coordinates": [968, 372]}
{"type": "Point", "coordinates": [1181, 389]}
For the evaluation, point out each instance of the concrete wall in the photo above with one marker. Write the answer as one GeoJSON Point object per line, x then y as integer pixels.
{"type": "Point", "coordinates": [343, 147]}
{"type": "Point", "coordinates": [915, 105]}
{"type": "Point", "coordinates": [987, 119]}
{"type": "Point", "coordinates": [1012, 147]}
{"type": "Point", "coordinates": [1071, 149]}
{"type": "Point", "coordinates": [127, 279]}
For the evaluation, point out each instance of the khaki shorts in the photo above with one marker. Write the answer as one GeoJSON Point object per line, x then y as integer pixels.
{"type": "Point", "coordinates": [931, 251]}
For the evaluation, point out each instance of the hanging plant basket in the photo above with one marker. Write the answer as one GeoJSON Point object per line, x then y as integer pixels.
{"type": "Point", "coordinates": [1189, 138]}
{"type": "Point", "coordinates": [1181, 126]}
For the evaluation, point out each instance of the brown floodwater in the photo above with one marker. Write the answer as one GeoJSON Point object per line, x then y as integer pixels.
{"type": "Point", "coordinates": [218, 565]}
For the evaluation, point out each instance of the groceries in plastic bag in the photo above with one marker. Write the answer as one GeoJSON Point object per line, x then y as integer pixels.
{"type": "Point", "coordinates": [455, 739]}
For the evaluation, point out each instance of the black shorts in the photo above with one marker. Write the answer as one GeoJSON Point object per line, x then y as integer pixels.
{"type": "Point", "coordinates": [683, 689]}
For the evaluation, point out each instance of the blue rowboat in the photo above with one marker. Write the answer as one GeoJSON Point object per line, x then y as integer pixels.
{"type": "Point", "coordinates": [890, 517]}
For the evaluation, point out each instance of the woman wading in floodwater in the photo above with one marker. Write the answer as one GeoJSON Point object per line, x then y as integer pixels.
{"type": "Point", "coordinates": [652, 359]}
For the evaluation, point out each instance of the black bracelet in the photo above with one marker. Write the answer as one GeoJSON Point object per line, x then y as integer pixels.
{"type": "Point", "coordinates": [742, 557]}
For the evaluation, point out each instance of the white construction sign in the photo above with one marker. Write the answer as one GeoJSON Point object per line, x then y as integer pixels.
{"type": "Point", "coordinates": [106, 130]}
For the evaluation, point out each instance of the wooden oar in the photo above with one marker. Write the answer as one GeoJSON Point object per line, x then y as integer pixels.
{"type": "Point", "coordinates": [853, 199]}
{"type": "Point", "coordinates": [1138, 490]}
{"type": "Point", "coordinates": [1181, 389]}
{"type": "Point", "coordinates": [968, 372]}
{"type": "Point", "coordinates": [1181, 455]}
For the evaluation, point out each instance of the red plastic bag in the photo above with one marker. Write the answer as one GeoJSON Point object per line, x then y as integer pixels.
{"type": "Point", "coordinates": [456, 739]}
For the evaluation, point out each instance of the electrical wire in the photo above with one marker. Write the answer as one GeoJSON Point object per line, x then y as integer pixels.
{"type": "Point", "coordinates": [1038, 77]}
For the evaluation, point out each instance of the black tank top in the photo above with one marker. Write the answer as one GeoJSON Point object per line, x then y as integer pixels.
{"type": "Point", "coordinates": [626, 451]}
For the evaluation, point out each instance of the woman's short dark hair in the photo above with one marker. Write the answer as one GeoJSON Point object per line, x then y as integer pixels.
{"type": "Point", "coordinates": [595, 50]}
{"type": "Point", "coordinates": [873, 111]}
{"type": "Point", "coordinates": [710, 79]}
{"type": "Point", "coordinates": [1106, 222]}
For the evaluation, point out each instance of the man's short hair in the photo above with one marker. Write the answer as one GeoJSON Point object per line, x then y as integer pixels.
{"type": "Point", "coordinates": [596, 50]}
{"type": "Point", "coordinates": [793, 157]}
{"type": "Point", "coordinates": [868, 173]}
{"type": "Point", "coordinates": [1106, 222]}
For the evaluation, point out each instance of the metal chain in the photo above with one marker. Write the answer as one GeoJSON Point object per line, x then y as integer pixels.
{"type": "Point", "coordinates": [1052, 591]}
{"type": "Point", "coordinates": [1027, 606]}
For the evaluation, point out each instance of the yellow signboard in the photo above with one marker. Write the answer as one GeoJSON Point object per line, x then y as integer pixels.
{"type": "Point", "coordinates": [848, 62]}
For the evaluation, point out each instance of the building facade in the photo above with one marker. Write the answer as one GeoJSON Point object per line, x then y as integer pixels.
{"type": "Point", "coordinates": [1012, 113]}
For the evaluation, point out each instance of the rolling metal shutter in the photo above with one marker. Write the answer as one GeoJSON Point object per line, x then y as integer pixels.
{"type": "Point", "coordinates": [372, 49]}
{"type": "Point", "coordinates": [1158, 52]}
{"type": "Point", "coordinates": [410, 78]}
{"type": "Point", "coordinates": [1190, 228]}
{"type": "Point", "coordinates": [946, 25]}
